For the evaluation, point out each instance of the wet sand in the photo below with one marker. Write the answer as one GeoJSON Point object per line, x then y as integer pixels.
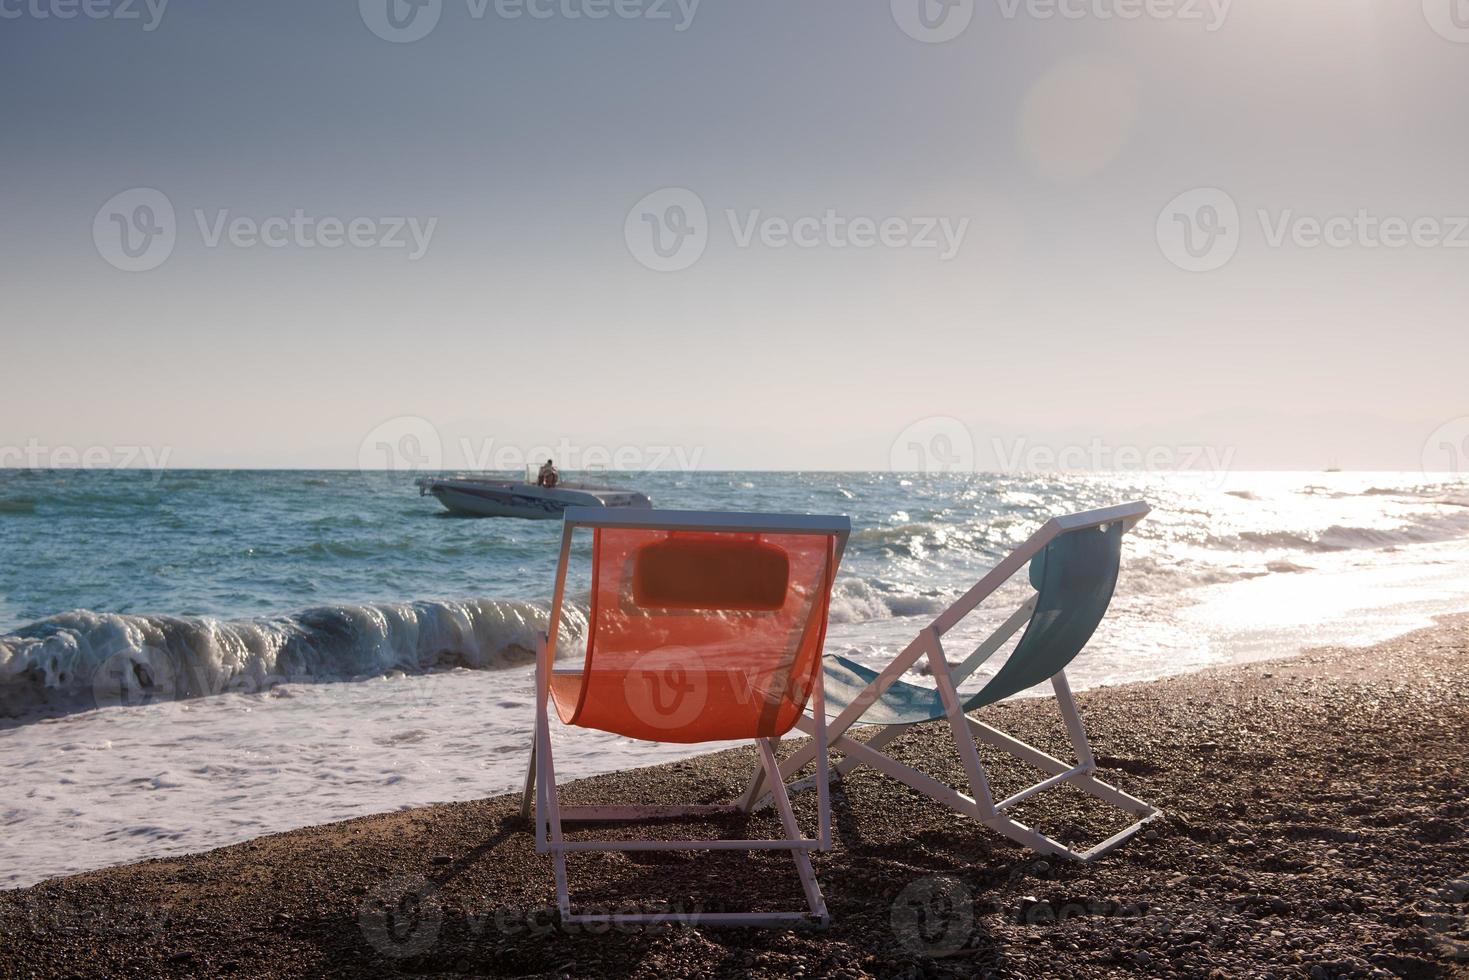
{"type": "Point", "coordinates": [1316, 825]}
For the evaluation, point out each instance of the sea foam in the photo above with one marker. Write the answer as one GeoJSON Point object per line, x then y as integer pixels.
{"type": "Point", "coordinates": [84, 659]}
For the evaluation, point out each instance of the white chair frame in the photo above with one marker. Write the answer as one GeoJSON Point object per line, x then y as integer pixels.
{"type": "Point", "coordinates": [540, 783]}
{"type": "Point", "coordinates": [980, 804]}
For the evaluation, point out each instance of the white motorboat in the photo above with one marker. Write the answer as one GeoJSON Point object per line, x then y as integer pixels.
{"type": "Point", "coordinates": [480, 496]}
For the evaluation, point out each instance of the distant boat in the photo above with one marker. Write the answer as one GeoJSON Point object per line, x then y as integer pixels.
{"type": "Point", "coordinates": [478, 496]}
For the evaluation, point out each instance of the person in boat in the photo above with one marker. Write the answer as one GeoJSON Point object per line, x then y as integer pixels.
{"type": "Point", "coordinates": [547, 477]}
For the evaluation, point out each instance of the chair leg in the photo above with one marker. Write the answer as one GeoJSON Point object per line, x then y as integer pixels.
{"type": "Point", "coordinates": [751, 798]}
{"type": "Point", "coordinates": [858, 753]}
{"type": "Point", "coordinates": [982, 807]}
{"type": "Point", "coordinates": [549, 818]}
{"type": "Point", "coordinates": [548, 813]}
{"type": "Point", "coordinates": [1081, 775]}
{"type": "Point", "coordinates": [1034, 839]}
{"type": "Point", "coordinates": [884, 735]}
{"type": "Point", "coordinates": [530, 784]}
{"type": "Point", "coordinates": [823, 762]}
{"type": "Point", "coordinates": [755, 797]}
{"type": "Point", "coordinates": [1067, 703]}
{"type": "Point", "coordinates": [792, 830]}
{"type": "Point", "coordinates": [1048, 763]}
{"type": "Point", "coordinates": [919, 781]}
{"type": "Point", "coordinates": [880, 740]}
{"type": "Point", "coordinates": [959, 727]}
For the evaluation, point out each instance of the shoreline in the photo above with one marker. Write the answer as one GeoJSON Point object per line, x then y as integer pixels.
{"type": "Point", "coordinates": [1314, 820]}
{"type": "Point", "coordinates": [420, 689]}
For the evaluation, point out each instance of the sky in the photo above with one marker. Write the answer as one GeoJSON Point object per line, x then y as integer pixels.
{"type": "Point", "coordinates": [767, 235]}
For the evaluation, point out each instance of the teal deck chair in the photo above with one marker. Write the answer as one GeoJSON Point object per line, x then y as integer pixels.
{"type": "Point", "coordinates": [1073, 562]}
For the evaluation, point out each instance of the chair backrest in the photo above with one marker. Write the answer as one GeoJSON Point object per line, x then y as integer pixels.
{"type": "Point", "coordinates": [701, 627]}
{"type": "Point", "coordinates": [1074, 576]}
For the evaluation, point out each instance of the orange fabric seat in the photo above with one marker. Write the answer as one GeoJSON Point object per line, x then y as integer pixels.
{"type": "Point", "coordinates": [677, 703]}
{"type": "Point", "coordinates": [699, 636]}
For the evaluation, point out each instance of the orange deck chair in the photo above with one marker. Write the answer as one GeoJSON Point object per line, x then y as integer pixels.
{"type": "Point", "coordinates": [703, 627]}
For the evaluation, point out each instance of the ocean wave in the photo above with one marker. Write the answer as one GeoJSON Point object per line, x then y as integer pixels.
{"type": "Point", "coordinates": [1292, 540]}
{"type": "Point", "coordinates": [917, 539]}
{"type": "Point", "coordinates": [1422, 491]}
{"type": "Point", "coordinates": [84, 659]}
{"type": "Point", "coordinates": [17, 505]}
{"type": "Point", "coordinates": [1423, 529]}
{"type": "Point", "coordinates": [1147, 576]}
{"type": "Point", "coordinates": [856, 600]}
{"type": "Point", "coordinates": [1287, 568]}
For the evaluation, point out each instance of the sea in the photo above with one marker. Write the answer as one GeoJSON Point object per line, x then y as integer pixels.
{"type": "Point", "coordinates": [192, 658]}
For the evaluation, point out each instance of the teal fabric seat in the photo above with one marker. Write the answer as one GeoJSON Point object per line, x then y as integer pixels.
{"type": "Point", "coordinates": [1074, 577]}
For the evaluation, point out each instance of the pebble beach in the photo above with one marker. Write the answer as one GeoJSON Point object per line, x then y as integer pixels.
{"type": "Point", "coordinates": [1315, 826]}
